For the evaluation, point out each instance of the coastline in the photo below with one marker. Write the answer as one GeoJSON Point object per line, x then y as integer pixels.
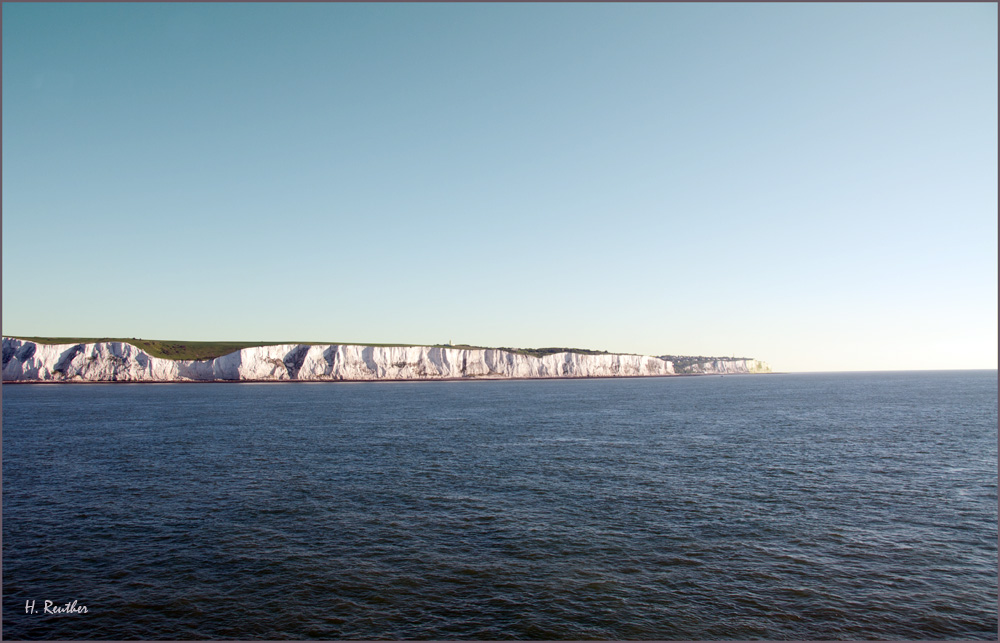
{"type": "Point", "coordinates": [29, 362]}
{"type": "Point", "coordinates": [381, 380]}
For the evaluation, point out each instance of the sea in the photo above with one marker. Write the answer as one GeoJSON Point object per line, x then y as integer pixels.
{"type": "Point", "coordinates": [836, 506]}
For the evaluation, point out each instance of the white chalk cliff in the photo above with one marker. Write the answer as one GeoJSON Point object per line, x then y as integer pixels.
{"type": "Point", "coordinates": [25, 361]}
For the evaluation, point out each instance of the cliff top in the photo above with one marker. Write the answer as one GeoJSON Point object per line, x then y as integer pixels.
{"type": "Point", "coordinates": [191, 350]}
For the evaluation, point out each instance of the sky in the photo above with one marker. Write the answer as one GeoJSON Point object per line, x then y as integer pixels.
{"type": "Point", "coordinates": [813, 185]}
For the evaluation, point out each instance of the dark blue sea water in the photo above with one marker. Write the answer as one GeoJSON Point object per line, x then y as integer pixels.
{"type": "Point", "coordinates": [819, 506]}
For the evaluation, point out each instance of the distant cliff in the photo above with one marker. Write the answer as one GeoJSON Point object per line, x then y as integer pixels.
{"type": "Point", "coordinates": [684, 365]}
{"type": "Point", "coordinates": [27, 361]}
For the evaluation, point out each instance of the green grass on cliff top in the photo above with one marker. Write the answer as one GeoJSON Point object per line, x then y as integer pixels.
{"type": "Point", "coordinates": [180, 349]}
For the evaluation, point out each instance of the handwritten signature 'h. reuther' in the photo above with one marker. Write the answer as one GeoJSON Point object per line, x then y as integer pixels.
{"type": "Point", "coordinates": [51, 608]}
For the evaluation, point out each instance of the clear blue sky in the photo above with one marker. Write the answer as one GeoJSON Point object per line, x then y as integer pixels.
{"type": "Point", "coordinates": [814, 185]}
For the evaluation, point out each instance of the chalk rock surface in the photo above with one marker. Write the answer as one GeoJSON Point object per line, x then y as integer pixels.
{"type": "Point", "coordinates": [720, 366]}
{"type": "Point", "coordinates": [121, 362]}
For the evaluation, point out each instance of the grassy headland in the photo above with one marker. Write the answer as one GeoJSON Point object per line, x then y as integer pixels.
{"type": "Point", "coordinates": [189, 350]}
{"type": "Point", "coordinates": [176, 349]}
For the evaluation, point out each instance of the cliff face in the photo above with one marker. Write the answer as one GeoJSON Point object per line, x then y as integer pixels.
{"type": "Point", "coordinates": [722, 366]}
{"type": "Point", "coordinates": [121, 362]}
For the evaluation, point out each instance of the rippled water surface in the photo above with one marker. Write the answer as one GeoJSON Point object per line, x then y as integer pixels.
{"type": "Point", "coordinates": [835, 506]}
